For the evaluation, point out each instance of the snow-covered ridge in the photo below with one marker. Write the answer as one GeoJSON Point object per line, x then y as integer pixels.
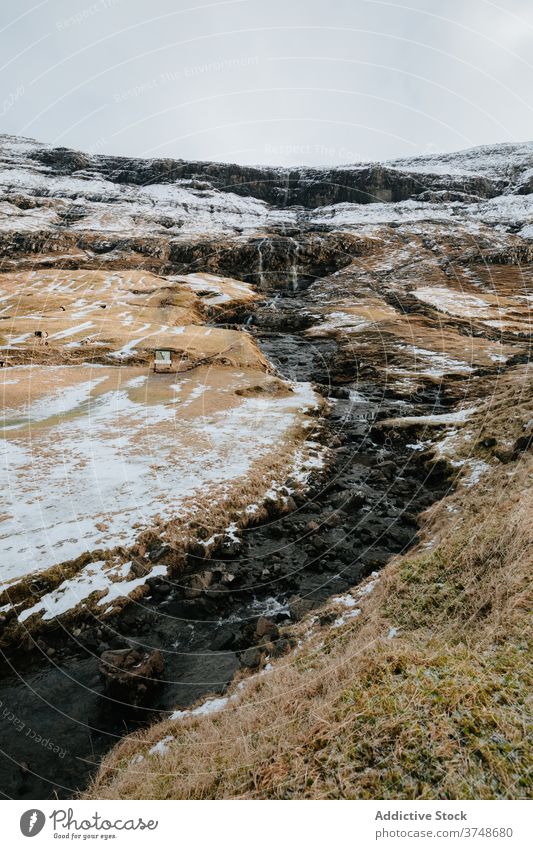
{"type": "Point", "coordinates": [498, 161]}
{"type": "Point", "coordinates": [80, 192]}
{"type": "Point", "coordinates": [493, 160]}
{"type": "Point", "coordinates": [104, 204]}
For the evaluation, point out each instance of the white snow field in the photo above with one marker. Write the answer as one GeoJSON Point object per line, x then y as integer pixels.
{"type": "Point", "coordinates": [107, 452]}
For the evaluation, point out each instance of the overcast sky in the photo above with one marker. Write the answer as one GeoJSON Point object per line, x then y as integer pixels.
{"type": "Point", "coordinates": [286, 82]}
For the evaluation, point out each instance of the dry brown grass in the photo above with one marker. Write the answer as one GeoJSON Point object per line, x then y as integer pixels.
{"type": "Point", "coordinates": [92, 315]}
{"type": "Point", "coordinates": [441, 710]}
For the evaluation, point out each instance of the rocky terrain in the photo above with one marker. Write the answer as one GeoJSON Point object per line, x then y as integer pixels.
{"type": "Point", "coordinates": [349, 348]}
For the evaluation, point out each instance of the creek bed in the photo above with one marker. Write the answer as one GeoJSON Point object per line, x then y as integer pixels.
{"type": "Point", "coordinates": [56, 722]}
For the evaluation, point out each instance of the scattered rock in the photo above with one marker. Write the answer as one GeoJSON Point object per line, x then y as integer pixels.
{"type": "Point", "coordinates": [228, 578]}
{"type": "Point", "coordinates": [298, 606]}
{"type": "Point", "coordinates": [504, 455]}
{"type": "Point", "coordinates": [266, 629]}
{"type": "Point", "coordinates": [130, 675]}
{"type": "Point", "coordinates": [281, 647]}
{"type": "Point", "coordinates": [487, 442]}
{"type": "Point", "coordinates": [349, 499]}
{"type": "Point", "coordinates": [523, 443]}
{"type": "Point", "coordinates": [251, 658]}
{"type": "Point", "coordinates": [230, 547]}
{"type": "Point", "coordinates": [140, 569]}
{"type": "Point", "coordinates": [202, 580]}
{"type": "Point", "coordinates": [158, 552]}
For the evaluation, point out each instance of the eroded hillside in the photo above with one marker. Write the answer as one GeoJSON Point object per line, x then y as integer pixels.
{"type": "Point", "coordinates": [348, 350]}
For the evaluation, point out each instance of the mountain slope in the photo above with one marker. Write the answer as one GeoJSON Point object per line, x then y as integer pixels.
{"type": "Point", "coordinates": [348, 348]}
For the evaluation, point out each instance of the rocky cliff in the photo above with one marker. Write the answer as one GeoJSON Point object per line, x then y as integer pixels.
{"type": "Point", "coordinates": [269, 225]}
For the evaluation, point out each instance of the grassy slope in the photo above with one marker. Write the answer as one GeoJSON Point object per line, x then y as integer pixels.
{"type": "Point", "coordinates": [438, 711]}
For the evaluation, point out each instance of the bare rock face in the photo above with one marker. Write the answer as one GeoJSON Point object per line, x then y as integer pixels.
{"type": "Point", "coordinates": [270, 226]}
{"type": "Point", "coordinates": [282, 187]}
{"type": "Point", "coordinates": [62, 160]}
{"type": "Point", "coordinates": [131, 676]}
{"type": "Point", "coordinates": [279, 257]}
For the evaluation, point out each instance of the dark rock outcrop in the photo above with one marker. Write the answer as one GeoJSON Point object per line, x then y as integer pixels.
{"type": "Point", "coordinates": [131, 676]}
{"type": "Point", "coordinates": [306, 187]}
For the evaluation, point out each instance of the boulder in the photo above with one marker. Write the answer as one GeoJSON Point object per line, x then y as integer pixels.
{"type": "Point", "coordinates": [131, 676]}
{"type": "Point", "coordinates": [523, 443]}
{"type": "Point", "coordinates": [251, 658]}
{"type": "Point", "coordinates": [299, 606]}
{"type": "Point", "coordinates": [266, 630]}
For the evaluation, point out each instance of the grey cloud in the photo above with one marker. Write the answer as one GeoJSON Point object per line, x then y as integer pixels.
{"type": "Point", "coordinates": [288, 82]}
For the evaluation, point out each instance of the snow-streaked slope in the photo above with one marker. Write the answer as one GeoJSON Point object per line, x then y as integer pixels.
{"type": "Point", "coordinates": [115, 207]}
{"type": "Point", "coordinates": [510, 212]}
{"type": "Point", "coordinates": [136, 198]}
{"type": "Point", "coordinates": [499, 161]}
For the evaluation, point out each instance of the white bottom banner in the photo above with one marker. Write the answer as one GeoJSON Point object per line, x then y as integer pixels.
{"type": "Point", "coordinates": [264, 825]}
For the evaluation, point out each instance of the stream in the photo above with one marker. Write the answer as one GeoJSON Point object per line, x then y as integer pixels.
{"type": "Point", "coordinates": [56, 722]}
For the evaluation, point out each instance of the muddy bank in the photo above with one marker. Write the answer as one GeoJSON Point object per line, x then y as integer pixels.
{"type": "Point", "coordinates": [57, 721]}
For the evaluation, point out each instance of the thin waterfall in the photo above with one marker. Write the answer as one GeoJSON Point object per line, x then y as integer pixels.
{"type": "Point", "coordinates": [294, 266]}
{"type": "Point", "coordinates": [260, 270]}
